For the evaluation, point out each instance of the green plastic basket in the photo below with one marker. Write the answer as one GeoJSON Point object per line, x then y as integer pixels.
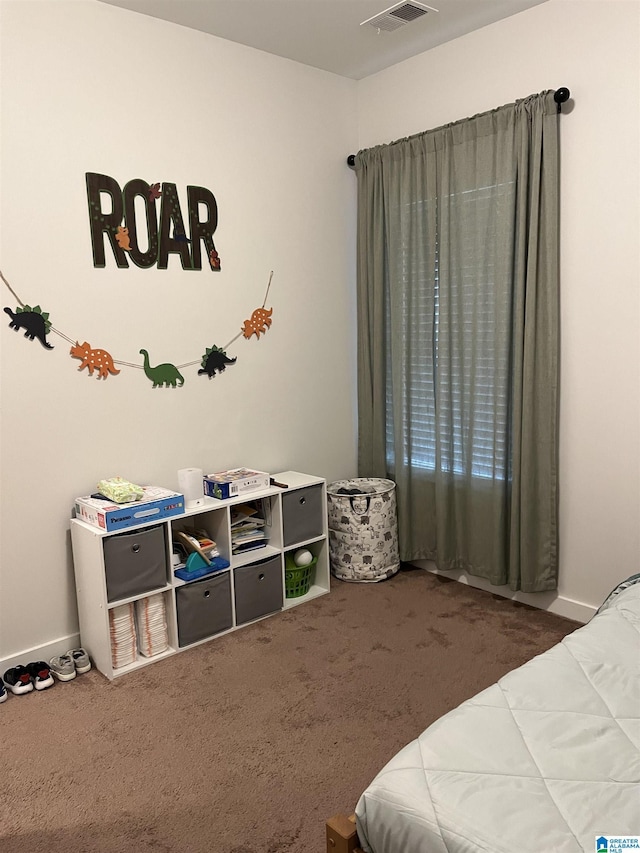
{"type": "Point", "coordinates": [298, 579]}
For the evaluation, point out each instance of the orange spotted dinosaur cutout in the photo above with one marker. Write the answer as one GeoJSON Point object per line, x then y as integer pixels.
{"type": "Point", "coordinates": [94, 359]}
{"type": "Point", "coordinates": [259, 323]}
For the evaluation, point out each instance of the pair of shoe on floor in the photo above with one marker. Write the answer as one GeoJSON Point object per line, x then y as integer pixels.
{"type": "Point", "coordinates": [22, 679]}
{"type": "Point", "coordinates": [74, 662]}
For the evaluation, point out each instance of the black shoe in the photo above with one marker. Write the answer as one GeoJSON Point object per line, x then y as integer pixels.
{"type": "Point", "coordinates": [40, 674]}
{"type": "Point", "coordinates": [18, 680]}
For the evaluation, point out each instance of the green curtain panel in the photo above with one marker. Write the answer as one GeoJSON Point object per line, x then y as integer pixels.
{"type": "Point", "coordinates": [458, 340]}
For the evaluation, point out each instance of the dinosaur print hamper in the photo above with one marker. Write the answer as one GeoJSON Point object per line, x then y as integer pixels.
{"type": "Point", "coordinates": [363, 529]}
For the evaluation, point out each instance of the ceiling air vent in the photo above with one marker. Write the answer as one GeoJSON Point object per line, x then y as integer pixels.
{"type": "Point", "coordinates": [398, 15]}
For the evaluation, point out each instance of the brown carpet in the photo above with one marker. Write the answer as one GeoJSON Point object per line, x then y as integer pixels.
{"type": "Point", "coordinates": [248, 743]}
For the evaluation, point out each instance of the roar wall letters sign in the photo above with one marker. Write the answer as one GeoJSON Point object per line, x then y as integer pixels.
{"type": "Point", "coordinates": [165, 233]}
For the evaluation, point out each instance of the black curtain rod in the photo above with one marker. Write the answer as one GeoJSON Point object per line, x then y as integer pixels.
{"type": "Point", "coordinates": [559, 96]}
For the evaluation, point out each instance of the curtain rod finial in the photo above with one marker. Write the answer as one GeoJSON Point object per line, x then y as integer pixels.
{"type": "Point", "coordinates": [351, 160]}
{"type": "Point", "coordinates": [561, 95]}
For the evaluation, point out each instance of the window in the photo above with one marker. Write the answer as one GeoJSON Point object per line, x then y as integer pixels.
{"type": "Point", "coordinates": [451, 402]}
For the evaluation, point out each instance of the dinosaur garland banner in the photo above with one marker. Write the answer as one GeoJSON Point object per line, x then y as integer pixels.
{"type": "Point", "coordinates": [165, 230]}
{"type": "Point", "coordinates": [37, 324]}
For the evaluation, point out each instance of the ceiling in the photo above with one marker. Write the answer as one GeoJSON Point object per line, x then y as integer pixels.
{"type": "Point", "coordinates": [327, 33]}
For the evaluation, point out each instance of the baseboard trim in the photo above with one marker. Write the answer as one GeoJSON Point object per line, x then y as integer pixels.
{"type": "Point", "coordinates": [551, 601]}
{"type": "Point", "coordinates": [46, 652]}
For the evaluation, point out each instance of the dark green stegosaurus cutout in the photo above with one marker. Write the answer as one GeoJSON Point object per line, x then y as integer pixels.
{"type": "Point", "coordinates": [34, 321]}
{"type": "Point", "coordinates": [215, 359]}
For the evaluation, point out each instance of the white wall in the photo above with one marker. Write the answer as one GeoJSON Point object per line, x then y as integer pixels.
{"type": "Point", "coordinates": [593, 49]}
{"type": "Point", "coordinates": [89, 87]}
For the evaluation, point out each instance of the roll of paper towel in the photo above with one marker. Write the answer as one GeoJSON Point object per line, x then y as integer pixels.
{"type": "Point", "coordinates": [190, 484]}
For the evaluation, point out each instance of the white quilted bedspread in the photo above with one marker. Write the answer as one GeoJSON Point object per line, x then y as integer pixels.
{"type": "Point", "coordinates": [546, 759]}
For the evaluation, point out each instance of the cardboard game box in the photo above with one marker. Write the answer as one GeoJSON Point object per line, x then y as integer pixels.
{"type": "Point", "coordinates": [156, 504]}
{"type": "Point", "coordinates": [238, 481]}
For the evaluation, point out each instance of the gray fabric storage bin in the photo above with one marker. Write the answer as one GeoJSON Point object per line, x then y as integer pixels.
{"type": "Point", "coordinates": [203, 608]}
{"type": "Point", "coordinates": [135, 562]}
{"type": "Point", "coordinates": [258, 589]}
{"type": "Point", "coordinates": [302, 514]}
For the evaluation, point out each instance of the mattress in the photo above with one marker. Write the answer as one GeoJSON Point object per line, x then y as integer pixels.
{"type": "Point", "coordinates": [548, 758]}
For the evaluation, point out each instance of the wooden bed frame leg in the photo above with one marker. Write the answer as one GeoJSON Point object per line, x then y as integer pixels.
{"type": "Point", "coordinates": [341, 835]}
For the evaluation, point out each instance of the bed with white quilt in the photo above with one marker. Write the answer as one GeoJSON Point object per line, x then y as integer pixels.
{"type": "Point", "coordinates": [546, 759]}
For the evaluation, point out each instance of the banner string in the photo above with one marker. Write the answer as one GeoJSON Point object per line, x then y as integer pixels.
{"type": "Point", "coordinates": [72, 341]}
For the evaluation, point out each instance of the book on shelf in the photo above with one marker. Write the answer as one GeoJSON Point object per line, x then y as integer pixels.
{"type": "Point", "coordinates": [243, 539]}
{"type": "Point", "coordinates": [250, 545]}
{"type": "Point", "coordinates": [248, 536]}
{"type": "Point", "coordinates": [256, 512]}
{"type": "Point", "coordinates": [243, 513]}
{"type": "Point", "coordinates": [248, 524]}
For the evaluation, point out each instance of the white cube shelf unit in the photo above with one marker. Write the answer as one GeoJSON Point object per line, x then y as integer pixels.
{"type": "Point", "coordinates": [252, 588]}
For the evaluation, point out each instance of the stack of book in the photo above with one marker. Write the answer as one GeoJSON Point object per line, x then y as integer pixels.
{"type": "Point", "coordinates": [247, 529]}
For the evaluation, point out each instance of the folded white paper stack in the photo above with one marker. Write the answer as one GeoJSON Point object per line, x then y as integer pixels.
{"type": "Point", "coordinates": [151, 622]}
{"type": "Point", "coordinates": [123, 635]}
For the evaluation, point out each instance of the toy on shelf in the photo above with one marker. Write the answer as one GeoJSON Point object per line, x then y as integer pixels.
{"type": "Point", "coordinates": [197, 542]}
{"type": "Point", "coordinates": [302, 557]}
{"type": "Point", "coordinates": [203, 555]}
{"type": "Point", "coordinates": [197, 566]}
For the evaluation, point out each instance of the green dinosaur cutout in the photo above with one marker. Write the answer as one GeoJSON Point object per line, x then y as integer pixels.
{"type": "Point", "coordinates": [162, 374]}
